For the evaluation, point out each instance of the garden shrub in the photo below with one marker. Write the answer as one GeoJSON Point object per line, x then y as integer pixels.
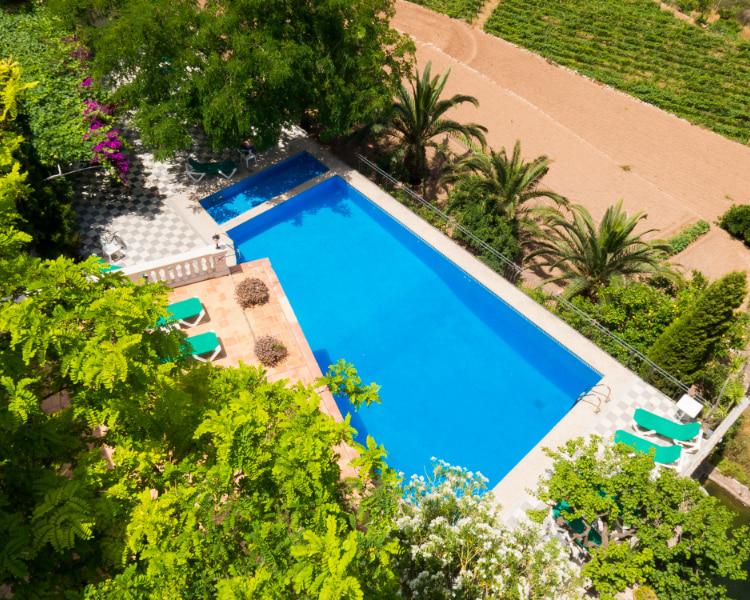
{"type": "Point", "coordinates": [251, 292]}
{"type": "Point", "coordinates": [688, 235]}
{"type": "Point", "coordinates": [270, 351]}
{"type": "Point", "coordinates": [737, 221]}
{"type": "Point", "coordinates": [454, 544]}
{"type": "Point", "coordinates": [684, 347]}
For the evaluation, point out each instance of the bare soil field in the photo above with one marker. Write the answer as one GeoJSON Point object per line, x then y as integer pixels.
{"type": "Point", "coordinates": [605, 145]}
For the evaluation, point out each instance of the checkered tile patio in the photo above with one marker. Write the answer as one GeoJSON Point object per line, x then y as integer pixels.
{"type": "Point", "coordinates": [140, 213]}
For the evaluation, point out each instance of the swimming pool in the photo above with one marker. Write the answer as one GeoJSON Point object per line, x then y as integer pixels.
{"type": "Point", "coordinates": [464, 377]}
{"type": "Point", "coordinates": [235, 199]}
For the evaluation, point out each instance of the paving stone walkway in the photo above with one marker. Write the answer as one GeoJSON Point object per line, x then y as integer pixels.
{"type": "Point", "coordinates": [139, 213]}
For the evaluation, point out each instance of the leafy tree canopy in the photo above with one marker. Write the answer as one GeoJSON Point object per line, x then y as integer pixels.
{"type": "Point", "coordinates": [242, 68]}
{"type": "Point", "coordinates": [656, 528]}
{"type": "Point", "coordinates": [685, 346]}
{"type": "Point", "coordinates": [51, 55]}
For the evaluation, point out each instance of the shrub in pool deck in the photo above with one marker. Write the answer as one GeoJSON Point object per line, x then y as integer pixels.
{"type": "Point", "coordinates": [251, 292]}
{"type": "Point", "coordinates": [270, 351]}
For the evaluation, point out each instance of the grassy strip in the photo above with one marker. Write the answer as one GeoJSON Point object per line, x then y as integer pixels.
{"type": "Point", "coordinates": [632, 45]}
{"type": "Point", "coordinates": [457, 9]}
{"type": "Point", "coordinates": [688, 235]}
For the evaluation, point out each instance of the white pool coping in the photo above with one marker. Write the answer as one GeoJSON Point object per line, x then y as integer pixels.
{"type": "Point", "coordinates": [511, 491]}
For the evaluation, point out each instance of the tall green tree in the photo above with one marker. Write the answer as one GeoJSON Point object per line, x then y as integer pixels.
{"type": "Point", "coordinates": [590, 256]}
{"type": "Point", "coordinates": [417, 116]}
{"type": "Point", "coordinates": [508, 187]}
{"type": "Point", "coordinates": [658, 529]}
{"type": "Point", "coordinates": [685, 346]}
{"type": "Point", "coordinates": [241, 68]}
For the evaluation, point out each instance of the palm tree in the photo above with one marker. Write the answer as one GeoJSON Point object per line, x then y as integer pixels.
{"type": "Point", "coordinates": [508, 187]}
{"type": "Point", "coordinates": [591, 257]}
{"type": "Point", "coordinates": [417, 116]}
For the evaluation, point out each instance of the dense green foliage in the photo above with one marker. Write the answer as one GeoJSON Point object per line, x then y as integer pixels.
{"type": "Point", "coordinates": [221, 484]}
{"type": "Point", "coordinates": [687, 236]}
{"type": "Point", "coordinates": [656, 528]}
{"type": "Point", "coordinates": [591, 256]}
{"type": "Point", "coordinates": [683, 349]}
{"type": "Point", "coordinates": [502, 186]}
{"type": "Point", "coordinates": [637, 313]}
{"type": "Point", "coordinates": [737, 222]}
{"type": "Point", "coordinates": [458, 9]}
{"type": "Point", "coordinates": [640, 49]}
{"type": "Point", "coordinates": [496, 230]}
{"type": "Point", "coordinates": [243, 69]}
{"type": "Point", "coordinates": [51, 121]}
{"type": "Point", "coordinates": [49, 54]}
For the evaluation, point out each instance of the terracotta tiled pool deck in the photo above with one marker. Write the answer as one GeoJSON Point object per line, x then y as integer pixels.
{"type": "Point", "coordinates": [238, 329]}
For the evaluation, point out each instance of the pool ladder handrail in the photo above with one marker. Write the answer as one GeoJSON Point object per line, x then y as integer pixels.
{"type": "Point", "coordinates": [220, 197]}
{"type": "Point", "coordinates": [596, 394]}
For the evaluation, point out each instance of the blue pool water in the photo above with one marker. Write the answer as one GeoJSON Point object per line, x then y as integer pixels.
{"type": "Point", "coordinates": [464, 377]}
{"type": "Point", "coordinates": [234, 200]}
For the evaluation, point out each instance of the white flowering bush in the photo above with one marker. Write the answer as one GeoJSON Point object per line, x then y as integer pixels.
{"type": "Point", "coordinates": [453, 544]}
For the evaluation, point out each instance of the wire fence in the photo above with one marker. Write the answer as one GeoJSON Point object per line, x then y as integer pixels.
{"type": "Point", "coordinates": [535, 287]}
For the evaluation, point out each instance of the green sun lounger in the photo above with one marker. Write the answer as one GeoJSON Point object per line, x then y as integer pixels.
{"type": "Point", "coordinates": [578, 525]}
{"type": "Point", "coordinates": [107, 267]}
{"type": "Point", "coordinates": [183, 311]}
{"type": "Point", "coordinates": [667, 456]}
{"type": "Point", "coordinates": [685, 434]}
{"type": "Point", "coordinates": [204, 343]}
{"type": "Point", "coordinates": [198, 170]}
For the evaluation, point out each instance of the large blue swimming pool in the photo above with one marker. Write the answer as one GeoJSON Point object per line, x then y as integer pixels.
{"type": "Point", "coordinates": [464, 377]}
{"type": "Point", "coordinates": [240, 197]}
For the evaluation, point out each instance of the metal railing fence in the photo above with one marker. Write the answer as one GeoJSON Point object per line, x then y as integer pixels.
{"type": "Point", "coordinates": [548, 297]}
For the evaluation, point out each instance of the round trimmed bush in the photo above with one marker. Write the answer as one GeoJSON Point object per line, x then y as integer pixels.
{"type": "Point", "coordinates": [270, 351]}
{"type": "Point", "coordinates": [251, 292]}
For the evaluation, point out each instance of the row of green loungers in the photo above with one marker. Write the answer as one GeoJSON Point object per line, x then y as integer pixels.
{"type": "Point", "coordinates": [685, 437]}
{"type": "Point", "coordinates": [189, 313]}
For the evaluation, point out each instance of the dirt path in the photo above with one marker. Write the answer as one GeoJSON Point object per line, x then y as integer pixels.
{"type": "Point", "coordinates": [606, 145]}
{"type": "Point", "coordinates": [485, 13]}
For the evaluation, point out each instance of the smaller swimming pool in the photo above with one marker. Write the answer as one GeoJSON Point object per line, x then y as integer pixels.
{"type": "Point", "coordinates": [257, 189]}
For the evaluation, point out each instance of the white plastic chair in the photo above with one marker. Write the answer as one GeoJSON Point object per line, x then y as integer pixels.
{"type": "Point", "coordinates": [247, 154]}
{"type": "Point", "coordinates": [112, 247]}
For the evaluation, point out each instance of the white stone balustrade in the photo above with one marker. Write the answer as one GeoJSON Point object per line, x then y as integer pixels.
{"type": "Point", "coordinates": [181, 269]}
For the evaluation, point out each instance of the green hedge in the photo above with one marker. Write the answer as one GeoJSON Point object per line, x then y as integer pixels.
{"type": "Point", "coordinates": [632, 45]}
{"type": "Point", "coordinates": [688, 235]}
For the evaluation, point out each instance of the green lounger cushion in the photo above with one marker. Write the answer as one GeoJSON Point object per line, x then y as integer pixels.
{"type": "Point", "coordinates": [187, 309]}
{"type": "Point", "coordinates": [577, 525]}
{"type": "Point", "coordinates": [212, 167]}
{"type": "Point", "coordinates": [666, 427]}
{"type": "Point", "coordinates": [107, 267]}
{"type": "Point", "coordinates": [664, 454]}
{"type": "Point", "coordinates": [204, 343]}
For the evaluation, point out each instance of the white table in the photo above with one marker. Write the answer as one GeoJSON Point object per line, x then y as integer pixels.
{"type": "Point", "coordinates": [689, 406]}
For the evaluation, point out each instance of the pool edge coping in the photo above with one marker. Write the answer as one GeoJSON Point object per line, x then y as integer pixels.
{"type": "Point", "coordinates": [511, 490]}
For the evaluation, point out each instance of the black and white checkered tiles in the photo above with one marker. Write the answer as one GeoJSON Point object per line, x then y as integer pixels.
{"type": "Point", "coordinates": [139, 213]}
